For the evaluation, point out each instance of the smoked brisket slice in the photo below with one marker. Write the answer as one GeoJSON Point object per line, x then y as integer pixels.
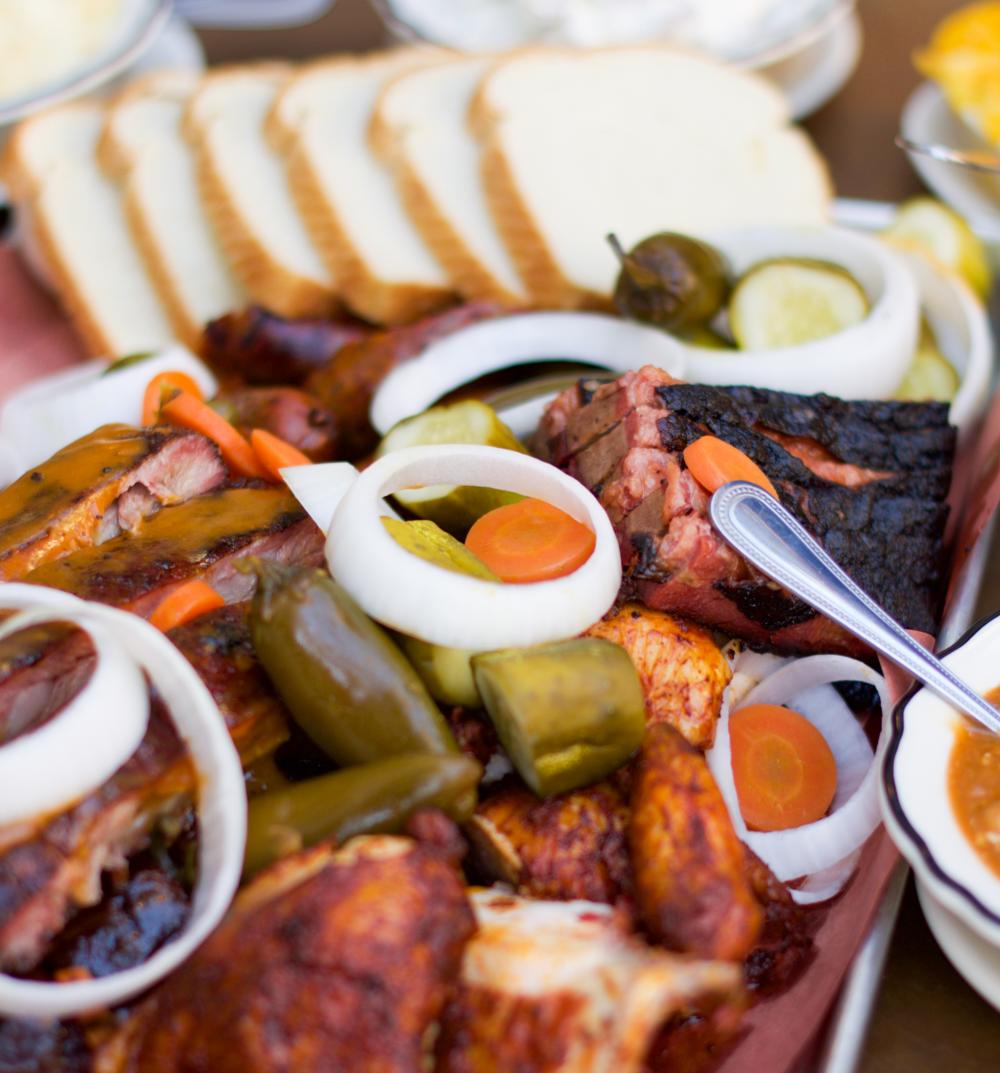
{"type": "Point", "coordinates": [99, 486]}
{"type": "Point", "coordinates": [868, 479]}
{"type": "Point", "coordinates": [47, 873]}
{"type": "Point", "coordinates": [203, 538]}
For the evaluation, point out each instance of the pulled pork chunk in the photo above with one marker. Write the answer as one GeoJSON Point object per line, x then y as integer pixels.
{"type": "Point", "coordinates": [549, 986]}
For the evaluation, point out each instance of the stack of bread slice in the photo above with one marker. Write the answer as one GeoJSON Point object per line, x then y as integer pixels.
{"type": "Point", "coordinates": [394, 184]}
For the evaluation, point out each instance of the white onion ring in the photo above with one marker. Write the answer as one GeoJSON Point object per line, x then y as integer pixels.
{"type": "Point", "coordinates": [519, 339]}
{"type": "Point", "coordinates": [443, 607]}
{"type": "Point", "coordinates": [319, 488]}
{"type": "Point", "coordinates": [221, 808]}
{"type": "Point", "coordinates": [48, 769]}
{"type": "Point", "coordinates": [824, 850]}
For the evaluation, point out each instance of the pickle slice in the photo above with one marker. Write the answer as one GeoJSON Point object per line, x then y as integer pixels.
{"type": "Point", "coordinates": [783, 303]}
{"type": "Point", "coordinates": [446, 672]}
{"type": "Point", "coordinates": [429, 541]}
{"type": "Point", "coordinates": [567, 714]}
{"type": "Point", "coordinates": [453, 507]}
{"type": "Point", "coordinates": [930, 377]}
{"type": "Point", "coordinates": [926, 224]}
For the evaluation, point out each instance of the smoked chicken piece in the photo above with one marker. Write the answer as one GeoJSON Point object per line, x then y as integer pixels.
{"type": "Point", "coordinates": [292, 415]}
{"type": "Point", "coordinates": [347, 384]}
{"type": "Point", "coordinates": [48, 872]}
{"type": "Point", "coordinates": [202, 538]}
{"type": "Point", "coordinates": [785, 945]}
{"type": "Point", "coordinates": [331, 960]}
{"type": "Point", "coordinates": [691, 888]}
{"type": "Point", "coordinates": [255, 346]}
{"type": "Point", "coordinates": [565, 847]}
{"type": "Point", "coordinates": [548, 987]}
{"type": "Point", "coordinates": [101, 485]}
{"type": "Point", "coordinates": [682, 670]}
{"type": "Point", "coordinates": [868, 479]}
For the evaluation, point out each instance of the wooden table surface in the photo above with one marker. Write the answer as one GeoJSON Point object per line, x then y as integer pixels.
{"type": "Point", "coordinates": [927, 1020]}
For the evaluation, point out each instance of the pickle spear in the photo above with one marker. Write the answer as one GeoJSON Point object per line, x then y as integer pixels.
{"type": "Point", "coordinates": [567, 713]}
{"type": "Point", "coordinates": [375, 798]}
{"type": "Point", "coordinates": [446, 672]}
{"type": "Point", "coordinates": [345, 683]}
{"type": "Point", "coordinates": [453, 507]}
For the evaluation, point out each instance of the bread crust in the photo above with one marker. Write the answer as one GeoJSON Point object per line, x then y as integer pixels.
{"type": "Point", "coordinates": [269, 282]}
{"type": "Point", "coordinates": [25, 187]}
{"type": "Point", "coordinates": [541, 272]}
{"type": "Point", "coordinates": [96, 341]}
{"type": "Point", "coordinates": [266, 280]}
{"type": "Point", "coordinates": [112, 155]}
{"type": "Point", "coordinates": [364, 293]}
{"type": "Point", "coordinates": [469, 275]}
{"type": "Point", "coordinates": [188, 329]}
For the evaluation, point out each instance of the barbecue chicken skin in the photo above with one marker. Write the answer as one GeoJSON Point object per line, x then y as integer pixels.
{"type": "Point", "coordinates": [566, 847]}
{"type": "Point", "coordinates": [682, 670]}
{"type": "Point", "coordinates": [331, 960]}
{"type": "Point", "coordinates": [692, 890]}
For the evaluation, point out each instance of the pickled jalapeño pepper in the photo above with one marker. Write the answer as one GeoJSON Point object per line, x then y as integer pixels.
{"type": "Point", "coordinates": [342, 678]}
{"type": "Point", "coordinates": [375, 798]}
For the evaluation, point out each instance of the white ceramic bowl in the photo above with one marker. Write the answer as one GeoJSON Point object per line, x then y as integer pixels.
{"type": "Point", "coordinates": [789, 29]}
{"type": "Point", "coordinates": [866, 361]}
{"type": "Point", "coordinates": [916, 802]}
{"type": "Point", "coordinates": [141, 23]}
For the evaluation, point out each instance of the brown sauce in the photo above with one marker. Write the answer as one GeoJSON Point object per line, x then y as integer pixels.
{"type": "Point", "coordinates": [974, 782]}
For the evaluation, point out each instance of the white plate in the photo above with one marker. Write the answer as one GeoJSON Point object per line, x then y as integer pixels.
{"type": "Point", "coordinates": [142, 21]}
{"type": "Point", "coordinates": [815, 74]}
{"type": "Point", "coordinates": [976, 961]}
{"type": "Point", "coordinates": [928, 118]}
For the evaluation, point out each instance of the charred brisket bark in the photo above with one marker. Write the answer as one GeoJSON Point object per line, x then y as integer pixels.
{"type": "Point", "coordinates": [868, 479]}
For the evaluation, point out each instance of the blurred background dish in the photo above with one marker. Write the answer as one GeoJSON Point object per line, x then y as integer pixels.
{"type": "Point", "coordinates": [809, 48]}
{"type": "Point", "coordinates": [89, 57]}
{"type": "Point", "coordinates": [927, 117]}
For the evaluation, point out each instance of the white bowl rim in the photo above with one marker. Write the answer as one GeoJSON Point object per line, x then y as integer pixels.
{"type": "Point", "coordinates": [885, 320]}
{"type": "Point", "coordinates": [123, 49]}
{"type": "Point", "coordinates": [946, 888]}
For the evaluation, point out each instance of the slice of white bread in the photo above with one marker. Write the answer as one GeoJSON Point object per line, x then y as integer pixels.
{"type": "Point", "coordinates": [72, 220]}
{"type": "Point", "coordinates": [143, 146]}
{"type": "Point", "coordinates": [632, 141]}
{"type": "Point", "coordinates": [245, 192]}
{"type": "Point", "coordinates": [347, 195]}
{"type": "Point", "coordinates": [420, 128]}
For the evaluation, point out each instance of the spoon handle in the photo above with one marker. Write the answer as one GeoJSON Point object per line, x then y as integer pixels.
{"type": "Point", "coordinates": [765, 534]}
{"type": "Point", "coordinates": [974, 159]}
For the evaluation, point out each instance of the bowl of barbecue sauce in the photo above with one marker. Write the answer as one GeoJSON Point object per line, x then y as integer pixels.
{"type": "Point", "coordinates": [941, 805]}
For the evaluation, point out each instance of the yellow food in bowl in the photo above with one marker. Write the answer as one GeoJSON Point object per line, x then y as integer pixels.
{"type": "Point", "coordinates": [963, 58]}
{"type": "Point", "coordinates": [974, 783]}
{"type": "Point", "coordinates": [43, 41]}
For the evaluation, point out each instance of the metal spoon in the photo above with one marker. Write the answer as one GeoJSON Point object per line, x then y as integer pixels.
{"type": "Point", "coordinates": [765, 534]}
{"type": "Point", "coordinates": [974, 159]}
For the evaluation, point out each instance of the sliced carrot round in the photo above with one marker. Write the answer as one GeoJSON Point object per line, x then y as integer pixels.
{"type": "Point", "coordinates": [274, 453]}
{"type": "Point", "coordinates": [530, 541]}
{"type": "Point", "coordinates": [188, 412]}
{"type": "Point", "coordinates": [163, 387]}
{"type": "Point", "coordinates": [188, 601]}
{"type": "Point", "coordinates": [713, 463]}
{"type": "Point", "coordinates": [784, 771]}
